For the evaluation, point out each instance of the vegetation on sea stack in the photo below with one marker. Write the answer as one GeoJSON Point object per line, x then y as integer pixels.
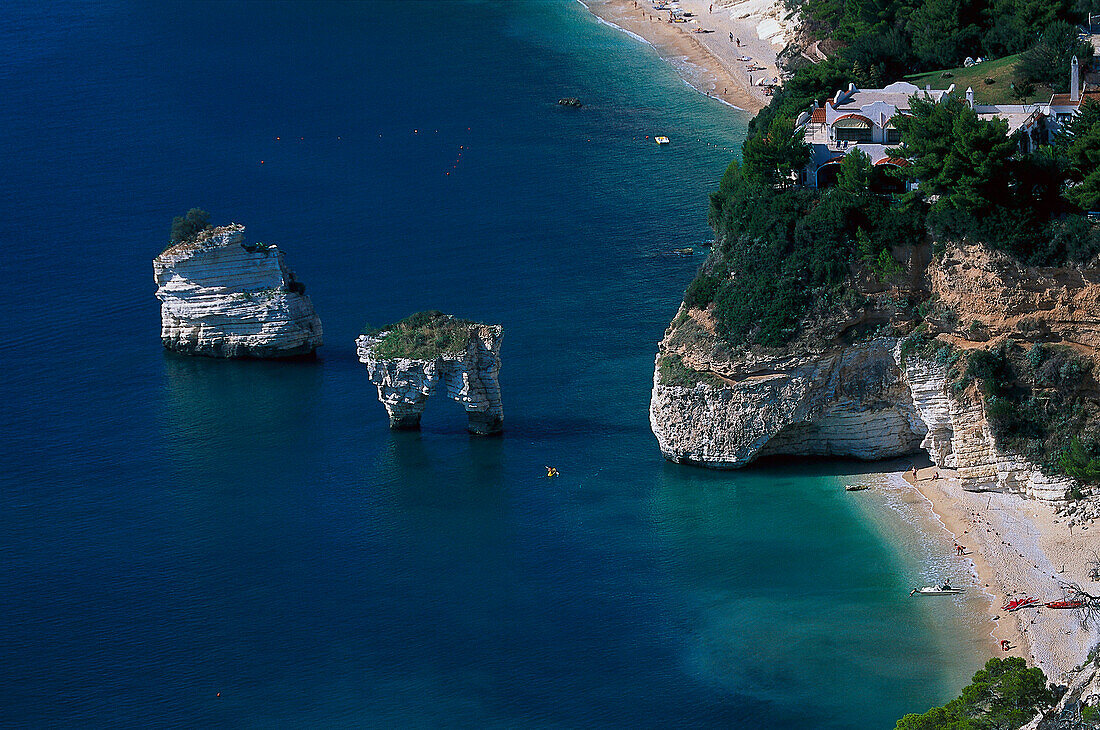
{"type": "Point", "coordinates": [186, 228]}
{"type": "Point", "coordinates": [421, 336]}
{"type": "Point", "coordinates": [1004, 694]}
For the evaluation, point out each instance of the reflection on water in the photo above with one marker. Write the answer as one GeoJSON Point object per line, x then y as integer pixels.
{"type": "Point", "coordinates": [225, 413]}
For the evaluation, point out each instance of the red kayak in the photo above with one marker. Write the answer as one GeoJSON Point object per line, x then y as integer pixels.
{"type": "Point", "coordinates": [1017, 603]}
{"type": "Point", "coordinates": [1065, 604]}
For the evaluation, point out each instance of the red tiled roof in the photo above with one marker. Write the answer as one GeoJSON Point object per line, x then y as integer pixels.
{"type": "Point", "coordinates": [1064, 100]}
{"type": "Point", "coordinates": [818, 117]}
{"type": "Point", "coordinates": [853, 116]}
{"type": "Point", "coordinates": [896, 161]}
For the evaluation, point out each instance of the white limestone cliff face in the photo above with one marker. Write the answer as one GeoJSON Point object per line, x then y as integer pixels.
{"type": "Point", "coordinates": [849, 403]}
{"type": "Point", "coordinates": [863, 402]}
{"type": "Point", "coordinates": [469, 377]}
{"type": "Point", "coordinates": [821, 396]}
{"type": "Point", "coordinates": [221, 299]}
{"type": "Point", "coordinates": [959, 436]}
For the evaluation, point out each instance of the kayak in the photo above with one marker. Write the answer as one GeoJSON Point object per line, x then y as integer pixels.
{"type": "Point", "coordinates": [1017, 603]}
{"type": "Point", "coordinates": [1065, 604]}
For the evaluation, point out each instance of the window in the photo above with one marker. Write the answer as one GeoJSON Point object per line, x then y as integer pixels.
{"type": "Point", "coordinates": [893, 136]}
{"type": "Point", "coordinates": [853, 134]}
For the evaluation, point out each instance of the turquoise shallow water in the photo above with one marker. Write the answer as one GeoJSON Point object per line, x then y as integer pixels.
{"type": "Point", "coordinates": [175, 528]}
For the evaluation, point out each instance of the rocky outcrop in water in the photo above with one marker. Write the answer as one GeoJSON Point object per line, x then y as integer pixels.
{"type": "Point", "coordinates": [222, 297]}
{"type": "Point", "coordinates": [854, 385]}
{"type": "Point", "coordinates": [464, 369]}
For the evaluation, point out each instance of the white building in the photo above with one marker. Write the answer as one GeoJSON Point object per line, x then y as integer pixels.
{"type": "Point", "coordinates": [864, 119]}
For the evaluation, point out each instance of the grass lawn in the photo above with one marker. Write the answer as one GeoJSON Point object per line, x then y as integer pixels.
{"type": "Point", "coordinates": [1001, 70]}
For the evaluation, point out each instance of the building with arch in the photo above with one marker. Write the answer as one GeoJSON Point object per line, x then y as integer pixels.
{"type": "Point", "coordinates": [864, 119]}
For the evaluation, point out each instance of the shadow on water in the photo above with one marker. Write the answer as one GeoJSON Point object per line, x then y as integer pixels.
{"type": "Point", "coordinates": [229, 414]}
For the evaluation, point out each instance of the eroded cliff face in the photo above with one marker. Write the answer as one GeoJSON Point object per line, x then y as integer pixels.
{"type": "Point", "coordinates": [849, 388]}
{"type": "Point", "coordinates": [959, 436]}
{"type": "Point", "coordinates": [222, 298]}
{"type": "Point", "coordinates": [468, 376]}
{"type": "Point", "coordinates": [847, 402]}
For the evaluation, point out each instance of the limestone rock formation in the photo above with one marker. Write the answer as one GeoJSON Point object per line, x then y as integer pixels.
{"type": "Point", "coordinates": [464, 367]}
{"type": "Point", "coordinates": [221, 297]}
{"type": "Point", "coordinates": [847, 403]}
{"type": "Point", "coordinates": [841, 390]}
{"type": "Point", "coordinates": [959, 437]}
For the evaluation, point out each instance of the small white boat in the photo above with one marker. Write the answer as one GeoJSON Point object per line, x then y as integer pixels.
{"type": "Point", "coordinates": [661, 140]}
{"type": "Point", "coordinates": [944, 590]}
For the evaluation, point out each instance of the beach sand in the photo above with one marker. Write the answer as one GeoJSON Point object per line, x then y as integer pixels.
{"type": "Point", "coordinates": [708, 61]}
{"type": "Point", "coordinates": [1018, 546]}
{"type": "Point", "coordinates": [1013, 545]}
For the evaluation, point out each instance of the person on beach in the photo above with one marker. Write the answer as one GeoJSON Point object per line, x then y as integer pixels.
{"type": "Point", "coordinates": [731, 36]}
{"type": "Point", "coordinates": [738, 42]}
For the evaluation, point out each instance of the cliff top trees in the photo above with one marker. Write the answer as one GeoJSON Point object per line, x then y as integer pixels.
{"type": "Point", "coordinates": [1048, 61]}
{"type": "Point", "coordinates": [1003, 694]}
{"type": "Point", "coordinates": [187, 227]}
{"type": "Point", "coordinates": [1080, 142]}
{"type": "Point", "coordinates": [959, 160]}
{"type": "Point", "coordinates": [776, 156]}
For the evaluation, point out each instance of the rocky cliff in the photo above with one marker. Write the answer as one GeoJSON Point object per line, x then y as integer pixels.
{"type": "Point", "coordinates": [438, 355]}
{"type": "Point", "coordinates": [222, 297]}
{"type": "Point", "coordinates": [880, 380]}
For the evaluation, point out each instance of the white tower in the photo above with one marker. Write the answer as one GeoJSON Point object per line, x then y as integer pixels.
{"type": "Point", "coordinates": [970, 96]}
{"type": "Point", "coordinates": [1074, 81]}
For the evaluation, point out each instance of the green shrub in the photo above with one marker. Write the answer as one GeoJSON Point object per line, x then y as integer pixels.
{"type": "Point", "coordinates": [1076, 462]}
{"type": "Point", "coordinates": [701, 291]}
{"type": "Point", "coordinates": [422, 336]}
{"type": "Point", "coordinates": [1004, 694]}
{"type": "Point", "coordinates": [186, 228]}
{"type": "Point", "coordinates": [674, 372]}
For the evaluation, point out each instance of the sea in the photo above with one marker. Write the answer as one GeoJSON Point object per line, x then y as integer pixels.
{"type": "Point", "coordinates": [187, 542]}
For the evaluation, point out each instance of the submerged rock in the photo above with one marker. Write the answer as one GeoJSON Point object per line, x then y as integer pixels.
{"type": "Point", "coordinates": [571, 101]}
{"type": "Point", "coordinates": [221, 297]}
{"type": "Point", "coordinates": [430, 353]}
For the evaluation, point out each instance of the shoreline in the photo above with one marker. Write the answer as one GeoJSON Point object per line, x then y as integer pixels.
{"type": "Point", "coordinates": [708, 62]}
{"type": "Point", "coordinates": [1016, 546]}
{"type": "Point", "coordinates": [1013, 546]}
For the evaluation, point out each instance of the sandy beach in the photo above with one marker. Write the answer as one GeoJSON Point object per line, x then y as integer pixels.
{"type": "Point", "coordinates": [1012, 546]}
{"type": "Point", "coordinates": [1019, 547]}
{"type": "Point", "coordinates": [708, 61]}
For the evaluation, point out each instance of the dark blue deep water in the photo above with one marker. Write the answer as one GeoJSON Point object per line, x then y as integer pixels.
{"type": "Point", "coordinates": [175, 528]}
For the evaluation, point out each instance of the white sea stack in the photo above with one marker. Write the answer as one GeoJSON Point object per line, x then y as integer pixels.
{"type": "Point", "coordinates": [221, 297]}
{"type": "Point", "coordinates": [464, 367]}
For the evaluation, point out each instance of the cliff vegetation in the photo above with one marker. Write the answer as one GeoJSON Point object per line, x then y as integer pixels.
{"type": "Point", "coordinates": [796, 271]}
{"type": "Point", "coordinates": [186, 228]}
{"type": "Point", "coordinates": [421, 336]}
{"type": "Point", "coordinates": [1003, 694]}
